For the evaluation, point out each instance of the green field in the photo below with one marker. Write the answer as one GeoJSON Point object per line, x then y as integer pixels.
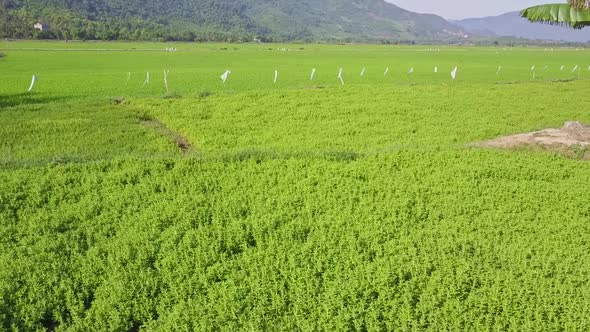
{"type": "Point", "coordinates": [301, 205]}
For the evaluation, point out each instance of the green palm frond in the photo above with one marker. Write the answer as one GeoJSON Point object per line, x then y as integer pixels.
{"type": "Point", "coordinates": [560, 14]}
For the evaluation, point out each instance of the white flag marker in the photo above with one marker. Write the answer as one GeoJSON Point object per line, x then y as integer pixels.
{"type": "Point", "coordinates": [147, 79]}
{"type": "Point", "coordinates": [411, 71]}
{"type": "Point", "coordinates": [276, 76]}
{"type": "Point", "coordinates": [340, 76]}
{"type": "Point", "coordinates": [534, 71]}
{"type": "Point", "coordinates": [562, 68]}
{"type": "Point", "coordinates": [499, 70]}
{"type": "Point", "coordinates": [128, 78]}
{"type": "Point", "coordinates": [225, 75]}
{"type": "Point", "coordinates": [588, 68]}
{"type": "Point", "coordinates": [454, 73]}
{"type": "Point", "coordinates": [33, 80]}
{"type": "Point", "coordinates": [387, 71]}
{"type": "Point", "coordinates": [363, 72]}
{"type": "Point", "coordinates": [312, 74]}
{"type": "Point", "coordinates": [166, 79]}
{"type": "Point", "coordinates": [575, 68]}
{"type": "Point", "coordinates": [436, 69]}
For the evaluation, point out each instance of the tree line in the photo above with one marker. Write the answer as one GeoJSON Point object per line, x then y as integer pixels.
{"type": "Point", "coordinates": [150, 20]}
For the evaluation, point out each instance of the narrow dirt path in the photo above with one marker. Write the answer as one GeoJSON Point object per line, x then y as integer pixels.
{"type": "Point", "coordinates": [180, 141]}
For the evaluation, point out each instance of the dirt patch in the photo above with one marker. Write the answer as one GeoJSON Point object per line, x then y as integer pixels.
{"type": "Point", "coordinates": [572, 137]}
{"type": "Point", "coordinates": [118, 100]}
{"type": "Point", "coordinates": [180, 141]}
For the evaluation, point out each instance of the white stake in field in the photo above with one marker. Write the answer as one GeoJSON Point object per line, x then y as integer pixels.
{"type": "Point", "coordinates": [533, 70]}
{"type": "Point", "coordinates": [33, 80]}
{"type": "Point", "coordinates": [387, 71]}
{"type": "Point", "coordinates": [363, 72]}
{"type": "Point", "coordinates": [340, 76]}
{"type": "Point", "coordinates": [225, 75]}
{"type": "Point", "coordinates": [454, 73]}
{"type": "Point", "coordinates": [312, 74]}
{"type": "Point", "coordinates": [147, 79]}
{"type": "Point", "coordinates": [166, 72]}
{"type": "Point", "coordinates": [276, 76]}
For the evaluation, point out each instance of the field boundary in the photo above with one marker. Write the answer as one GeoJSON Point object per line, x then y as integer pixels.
{"type": "Point", "coordinates": [160, 128]}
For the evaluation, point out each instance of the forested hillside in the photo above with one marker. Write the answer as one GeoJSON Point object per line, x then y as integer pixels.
{"type": "Point", "coordinates": [220, 20]}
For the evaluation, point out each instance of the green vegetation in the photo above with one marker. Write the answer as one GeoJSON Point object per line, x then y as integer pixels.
{"type": "Point", "coordinates": [576, 14]}
{"type": "Point", "coordinates": [298, 205]}
{"type": "Point", "coordinates": [214, 20]}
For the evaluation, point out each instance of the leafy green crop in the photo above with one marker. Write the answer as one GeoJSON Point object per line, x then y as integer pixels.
{"type": "Point", "coordinates": [298, 206]}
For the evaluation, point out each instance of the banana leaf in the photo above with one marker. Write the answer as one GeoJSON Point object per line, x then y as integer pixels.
{"type": "Point", "coordinates": [558, 14]}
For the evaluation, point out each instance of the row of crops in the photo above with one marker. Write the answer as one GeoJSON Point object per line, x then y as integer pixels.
{"type": "Point", "coordinates": [391, 242]}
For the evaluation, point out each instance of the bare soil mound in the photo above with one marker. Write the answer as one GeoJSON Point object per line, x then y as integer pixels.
{"type": "Point", "coordinates": [572, 135]}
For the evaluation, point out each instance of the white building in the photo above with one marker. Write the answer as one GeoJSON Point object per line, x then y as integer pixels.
{"type": "Point", "coordinates": [41, 27]}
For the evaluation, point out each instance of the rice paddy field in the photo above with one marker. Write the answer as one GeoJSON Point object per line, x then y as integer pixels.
{"type": "Point", "coordinates": [299, 205]}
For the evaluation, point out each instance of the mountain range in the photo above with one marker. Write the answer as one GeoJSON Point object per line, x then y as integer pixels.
{"type": "Point", "coordinates": [226, 20]}
{"type": "Point", "coordinates": [512, 25]}
{"type": "Point", "coordinates": [247, 20]}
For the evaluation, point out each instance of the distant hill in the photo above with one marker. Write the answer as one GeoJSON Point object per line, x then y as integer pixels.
{"type": "Point", "coordinates": [512, 25]}
{"type": "Point", "coordinates": [228, 20]}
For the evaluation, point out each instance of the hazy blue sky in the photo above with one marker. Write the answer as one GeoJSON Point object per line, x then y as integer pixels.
{"type": "Point", "coordinates": [457, 9]}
